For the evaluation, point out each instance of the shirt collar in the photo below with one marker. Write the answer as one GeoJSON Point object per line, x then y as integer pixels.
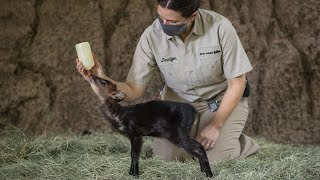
{"type": "Point", "coordinates": [198, 25]}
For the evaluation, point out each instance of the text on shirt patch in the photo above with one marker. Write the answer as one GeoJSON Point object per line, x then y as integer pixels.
{"type": "Point", "coordinates": [209, 52]}
{"type": "Point", "coordinates": [170, 59]}
{"type": "Point", "coordinates": [213, 52]}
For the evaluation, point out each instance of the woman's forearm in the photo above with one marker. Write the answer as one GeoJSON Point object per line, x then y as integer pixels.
{"type": "Point", "coordinates": [230, 100]}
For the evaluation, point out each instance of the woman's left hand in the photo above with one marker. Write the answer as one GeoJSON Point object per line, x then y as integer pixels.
{"type": "Point", "coordinates": [208, 136]}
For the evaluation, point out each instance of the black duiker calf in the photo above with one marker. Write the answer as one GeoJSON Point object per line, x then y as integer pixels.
{"type": "Point", "coordinates": [167, 119]}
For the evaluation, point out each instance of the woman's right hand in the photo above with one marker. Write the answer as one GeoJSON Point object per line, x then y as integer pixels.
{"type": "Point", "coordinates": [96, 69]}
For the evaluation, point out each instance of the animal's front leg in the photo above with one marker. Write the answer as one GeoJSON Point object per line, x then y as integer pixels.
{"type": "Point", "coordinates": [136, 144]}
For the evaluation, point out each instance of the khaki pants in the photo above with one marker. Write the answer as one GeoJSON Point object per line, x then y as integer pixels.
{"type": "Point", "coordinates": [231, 143]}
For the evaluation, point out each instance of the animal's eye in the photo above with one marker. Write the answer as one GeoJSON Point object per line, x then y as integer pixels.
{"type": "Point", "coordinates": [103, 84]}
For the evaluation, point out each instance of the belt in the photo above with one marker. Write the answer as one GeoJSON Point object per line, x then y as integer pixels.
{"type": "Point", "coordinates": [217, 98]}
{"type": "Point", "coordinates": [213, 103]}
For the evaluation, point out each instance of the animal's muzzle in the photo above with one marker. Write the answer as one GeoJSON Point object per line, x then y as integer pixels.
{"type": "Point", "coordinates": [94, 78]}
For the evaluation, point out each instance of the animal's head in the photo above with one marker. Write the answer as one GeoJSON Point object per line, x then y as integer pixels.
{"type": "Point", "coordinates": [105, 89]}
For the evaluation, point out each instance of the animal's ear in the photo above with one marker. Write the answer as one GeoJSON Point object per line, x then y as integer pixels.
{"type": "Point", "coordinates": [118, 95]}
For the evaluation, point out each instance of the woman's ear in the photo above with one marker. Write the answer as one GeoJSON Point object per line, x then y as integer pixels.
{"type": "Point", "coordinates": [118, 95]}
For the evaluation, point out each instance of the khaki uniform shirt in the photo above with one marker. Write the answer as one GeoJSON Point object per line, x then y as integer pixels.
{"type": "Point", "coordinates": [196, 69]}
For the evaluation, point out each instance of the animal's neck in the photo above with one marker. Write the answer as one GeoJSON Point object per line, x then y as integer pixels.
{"type": "Point", "coordinates": [112, 106]}
{"type": "Point", "coordinates": [112, 111]}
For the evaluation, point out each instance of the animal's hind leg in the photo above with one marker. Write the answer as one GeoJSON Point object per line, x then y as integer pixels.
{"type": "Point", "coordinates": [136, 144]}
{"type": "Point", "coordinates": [196, 149]}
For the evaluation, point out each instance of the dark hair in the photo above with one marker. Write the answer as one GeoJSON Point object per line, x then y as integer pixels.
{"type": "Point", "coordinates": [185, 7]}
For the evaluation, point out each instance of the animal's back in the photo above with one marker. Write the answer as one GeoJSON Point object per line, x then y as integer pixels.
{"type": "Point", "coordinates": [158, 107]}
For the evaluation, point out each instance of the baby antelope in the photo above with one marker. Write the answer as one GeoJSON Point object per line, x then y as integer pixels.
{"type": "Point", "coordinates": [166, 119]}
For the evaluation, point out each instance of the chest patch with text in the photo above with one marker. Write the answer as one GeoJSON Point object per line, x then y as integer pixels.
{"type": "Point", "coordinates": [170, 59]}
{"type": "Point", "coordinates": [209, 52]}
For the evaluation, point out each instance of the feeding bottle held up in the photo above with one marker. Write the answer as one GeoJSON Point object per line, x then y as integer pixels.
{"type": "Point", "coordinates": [85, 55]}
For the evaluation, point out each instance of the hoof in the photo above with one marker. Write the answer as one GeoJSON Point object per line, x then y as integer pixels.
{"type": "Point", "coordinates": [134, 173]}
{"type": "Point", "coordinates": [209, 174]}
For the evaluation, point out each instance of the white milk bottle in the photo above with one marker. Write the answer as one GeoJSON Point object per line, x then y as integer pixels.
{"type": "Point", "coordinates": [85, 55]}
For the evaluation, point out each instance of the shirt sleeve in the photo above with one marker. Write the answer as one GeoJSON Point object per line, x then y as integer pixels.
{"type": "Point", "coordinates": [143, 64]}
{"type": "Point", "coordinates": [235, 59]}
